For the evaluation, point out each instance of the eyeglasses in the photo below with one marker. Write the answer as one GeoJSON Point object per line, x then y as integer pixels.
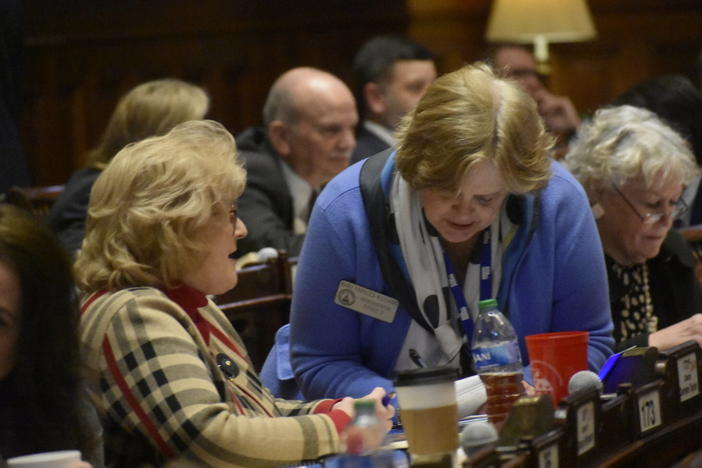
{"type": "Point", "coordinates": [679, 208]}
{"type": "Point", "coordinates": [233, 215]}
{"type": "Point", "coordinates": [518, 73]}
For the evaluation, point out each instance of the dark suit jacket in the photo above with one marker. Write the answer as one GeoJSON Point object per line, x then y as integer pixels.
{"type": "Point", "coordinates": [266, 205]}
{"type": "Point", "coordinates": [68, 213]}
{"type": "Point", "coordinates": [367, 144]}
{"type": "Point", "coordinates": [674, 288]}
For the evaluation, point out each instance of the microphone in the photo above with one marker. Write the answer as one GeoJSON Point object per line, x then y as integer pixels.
{"type": "Point", "coordinates": [477, 435]}
{"type": "Point", "coordinates": [267, 253]}
{"type": "Point", "coordinates": [584, 380]}
{"type": "Point", "coordinates": [262, 256]}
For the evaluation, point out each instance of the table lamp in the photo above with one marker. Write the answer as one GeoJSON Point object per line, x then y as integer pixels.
{"type": "Point", "coordinates": [539, 22]}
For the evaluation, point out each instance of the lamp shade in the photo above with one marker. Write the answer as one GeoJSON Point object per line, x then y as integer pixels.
{"type": "Point", "coordinates": [527, 21]}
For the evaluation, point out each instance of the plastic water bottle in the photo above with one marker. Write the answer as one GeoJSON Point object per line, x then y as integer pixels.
{"type": "Point", "coordinates": [361, 439]}
{"type": "Point", "coordinates": [497, 360]}
{"type": "Point", "coordinates": [365, 432]}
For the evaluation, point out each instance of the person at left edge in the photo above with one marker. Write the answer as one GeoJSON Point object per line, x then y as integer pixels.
{"type": "Point", "coordinates": [472, 160]}
{"type": "Point", "coordinates": [44, 405]}
{"type": "Point", "coordinates": [169, 375]}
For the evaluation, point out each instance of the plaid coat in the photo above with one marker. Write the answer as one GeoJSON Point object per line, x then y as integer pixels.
{"type": "Point", "coordinates": [171, 378]}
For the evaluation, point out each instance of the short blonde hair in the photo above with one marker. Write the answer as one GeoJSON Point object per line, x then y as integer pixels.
{"type": "Point", "coordinates": [467, 116]}
{"type": "Point", "coordinates": [152, 204]}
{"type": "Point", "coordinates": [149, 109]}
{"type": "Point", "coordinates": [625, 142]}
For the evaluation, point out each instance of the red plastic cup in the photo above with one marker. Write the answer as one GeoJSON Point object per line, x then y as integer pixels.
{"type": "Point", "coordinates": [554, 358]}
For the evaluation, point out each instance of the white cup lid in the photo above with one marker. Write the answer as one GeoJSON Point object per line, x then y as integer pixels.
{"type": "Point", "coordinates": [46, 459]}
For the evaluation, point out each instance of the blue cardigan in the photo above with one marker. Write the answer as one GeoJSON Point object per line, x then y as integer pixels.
{"type": "Point", "coordinates": [553, 280]}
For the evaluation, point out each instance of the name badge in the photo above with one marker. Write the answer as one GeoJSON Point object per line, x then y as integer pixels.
{"type": "Point", "coordinates": [366, 301]}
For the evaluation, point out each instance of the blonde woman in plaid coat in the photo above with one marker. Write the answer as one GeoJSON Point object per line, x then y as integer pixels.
{"type": "Point", "coordinates": [169, 374]}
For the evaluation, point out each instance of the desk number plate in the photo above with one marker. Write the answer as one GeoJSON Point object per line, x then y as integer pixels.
{"type": "Point", "coordinates": [585, 417]}
{"type": "Point", "coordinates": [687, 377]}
{"type": "Point", "coordinates": [650, 410]}
{"type": "Point", "coordinates": [548, 457]}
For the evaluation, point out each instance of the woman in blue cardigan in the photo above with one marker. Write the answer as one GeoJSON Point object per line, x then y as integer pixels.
{"type": "Point", "coordinates": [469, 207]}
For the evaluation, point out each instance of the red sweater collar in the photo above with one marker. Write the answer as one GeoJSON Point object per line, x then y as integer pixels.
{"type": "Point", "coordinates": [190, 299]}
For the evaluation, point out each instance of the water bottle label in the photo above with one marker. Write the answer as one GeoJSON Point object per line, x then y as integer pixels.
{"type": "Point", "coordinates": [487, 357]}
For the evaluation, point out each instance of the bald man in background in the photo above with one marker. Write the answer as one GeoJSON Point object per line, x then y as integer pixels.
{"type": "Point", "coordinates": [308, 137]}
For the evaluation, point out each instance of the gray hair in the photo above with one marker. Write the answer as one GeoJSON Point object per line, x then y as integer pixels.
{"type": "Point", "coordinates": [625, 142]}
{"type": "Point", "coordinates": [279, 105]}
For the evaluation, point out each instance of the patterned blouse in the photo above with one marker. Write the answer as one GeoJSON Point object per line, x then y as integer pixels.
{"type": "Point", "coordinates": [636, 308]}
{"type": "Point", "coordinates": [171, 379]}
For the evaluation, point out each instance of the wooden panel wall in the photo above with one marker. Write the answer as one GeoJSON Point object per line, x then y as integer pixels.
{"type": "Point", "coordinates": [637, 39]}
{"type": "Point", "coordinates": [82, 55]}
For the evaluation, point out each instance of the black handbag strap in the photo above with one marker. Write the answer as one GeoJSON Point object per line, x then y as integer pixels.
{"type": "Point", "coordinates": [382, 227]}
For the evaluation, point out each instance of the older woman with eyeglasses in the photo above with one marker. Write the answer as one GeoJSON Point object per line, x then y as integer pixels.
{"type": "Point", "coordinates": [169, 375]}
{"type": "Point", "coordinates": [634, 169]}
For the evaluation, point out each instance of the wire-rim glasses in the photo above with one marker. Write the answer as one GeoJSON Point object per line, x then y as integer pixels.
{"type": "Point", "coordinates": [679, 208]}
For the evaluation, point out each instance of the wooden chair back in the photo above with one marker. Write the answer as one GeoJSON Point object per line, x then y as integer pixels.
{"type": "Point", "coordinates": [37, 200]}
{"type": "Point", "coordinates": [260, 304]}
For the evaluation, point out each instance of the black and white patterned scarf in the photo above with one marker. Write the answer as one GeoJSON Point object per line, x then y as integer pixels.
{"type": "Point", "coordinates": [423, 256]}
{"type": "Point", "coordinates": [636, 314]}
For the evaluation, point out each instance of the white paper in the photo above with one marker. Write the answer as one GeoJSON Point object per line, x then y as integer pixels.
{"type": "Point", "coordinates": [470, 395]}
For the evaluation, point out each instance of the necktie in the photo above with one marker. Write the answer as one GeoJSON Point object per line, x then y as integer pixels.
{"type": "Point", "coordinates": [310, 205]}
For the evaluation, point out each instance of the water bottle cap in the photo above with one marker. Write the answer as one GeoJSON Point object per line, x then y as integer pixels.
{"type": "Point", "coordinates": [364, 404]}
{"type": "Point", "coordinates": [488, 304]}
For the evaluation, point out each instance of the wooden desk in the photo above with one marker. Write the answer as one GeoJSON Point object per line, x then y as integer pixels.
{"type": "Point", "coordinates": [661, 449]}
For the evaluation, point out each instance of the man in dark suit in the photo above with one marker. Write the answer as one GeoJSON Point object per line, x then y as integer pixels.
{"type": "Point", "coordinates": [308, 137]}
{"type": "Point", "coordinates": [392, 72]}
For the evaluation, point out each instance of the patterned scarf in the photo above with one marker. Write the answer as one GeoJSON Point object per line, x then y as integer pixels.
{"type": "Point", "coordinates": [423, 256]}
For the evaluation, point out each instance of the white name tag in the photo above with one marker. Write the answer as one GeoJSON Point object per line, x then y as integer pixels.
{"type": "Point", "coordinates": [366, 301]}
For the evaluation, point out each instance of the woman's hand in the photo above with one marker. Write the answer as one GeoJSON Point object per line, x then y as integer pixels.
{"type": "Point", "coordinates": [362, 439]}
{"type": "Point", "coordinates": [384, 413]}
{"type": "Point", "coordinates": [345, 405]}
{"type": "Point", "coordinates": [685, 330]}
{"type": "Point", "coordinates": [529, 389]}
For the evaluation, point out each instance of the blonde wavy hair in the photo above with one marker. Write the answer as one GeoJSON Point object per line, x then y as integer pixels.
{"type": "Point", "coordinates": [468, 116]}
{"type": "Point", "coordinates": [151, 206]}
{"type": "Point", "coordinates": [625, 142]}
{"type": "Point", "coordinates": [149, 109]}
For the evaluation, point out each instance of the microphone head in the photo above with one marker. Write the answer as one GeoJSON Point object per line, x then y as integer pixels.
{"type": "Point", "coordinates": [267, 253]}
{"type": "Point", "coordinates": [584, 380]}
{"type": "Point", "coordinates": [477, 435]}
